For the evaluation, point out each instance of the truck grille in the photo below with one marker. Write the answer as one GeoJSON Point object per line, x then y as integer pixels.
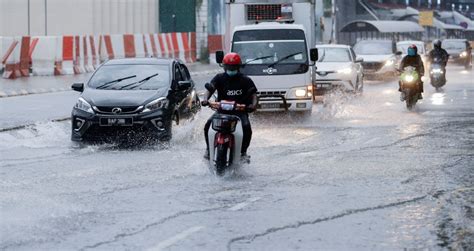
{"type": "Point", "coordinates": [271, 93]}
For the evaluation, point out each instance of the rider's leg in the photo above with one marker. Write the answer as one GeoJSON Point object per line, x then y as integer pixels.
{"type": "Point", "coordinates": [206, 134]}
{"type": "Point", "coordinates": [247, 129]}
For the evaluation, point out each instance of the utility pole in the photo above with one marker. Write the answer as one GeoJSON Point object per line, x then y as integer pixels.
{"type": "Point", "coordinates": [29, 19]}
{"type": "Point", "coordinates": [333, 29]}
{"type": "Point", "coordinates": [45, 17]}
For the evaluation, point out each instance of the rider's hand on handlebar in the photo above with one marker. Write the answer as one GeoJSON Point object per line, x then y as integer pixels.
{"type": "Point", "coordinates": [251, 108]}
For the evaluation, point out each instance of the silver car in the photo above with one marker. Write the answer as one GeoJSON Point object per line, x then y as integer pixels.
{"type": "Point", "coordinates": [338, 67]}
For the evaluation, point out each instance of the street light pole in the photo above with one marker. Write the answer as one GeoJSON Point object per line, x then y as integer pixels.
{"type": "Point", "coordinates": [45, 17]}
{"type": "Point", "coordinates": [29, 19]}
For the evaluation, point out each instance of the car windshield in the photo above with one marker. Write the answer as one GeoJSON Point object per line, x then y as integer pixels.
{"type": "Point", "coordinates": [453, 45]}
{"type": "Point", "coordinates": [132, 73]}
{"type": "Point", "coordinates": [404, 48]}
{"type": "Point", "coordinates": [270, 46]}
{"type": "Point", "coordinates": [334, 55]}
{"type": "Point", "coordinates": [373, 48]}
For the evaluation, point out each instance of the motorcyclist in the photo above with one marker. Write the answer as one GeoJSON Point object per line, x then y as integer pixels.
{"type": "Point", "coordinates": [413, 59]}
{"type": "Point", "coordinates": [439, 53]}
{"type": "Point", "coordinates": [232, 85]}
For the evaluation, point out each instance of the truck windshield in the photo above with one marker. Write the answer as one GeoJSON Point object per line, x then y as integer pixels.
{"type": "Point", "coordinates": [271, 46]}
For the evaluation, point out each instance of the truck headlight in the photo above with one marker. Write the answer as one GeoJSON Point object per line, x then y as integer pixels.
{"type": "Point", "coordinates": [463, 54]}
{"type": "Point", "coordinates": [83, 105]}
{"type": "Point", "coordinates": [300, 93]}
{"type": "Point", "coordinates": [345, 71]}
{"type": "Point", "coordinates": [156, 104]}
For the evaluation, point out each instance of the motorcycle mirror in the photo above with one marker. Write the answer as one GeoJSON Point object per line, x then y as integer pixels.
{"type": "Point", "coordinates": [219, 56]}
{"type": "Point", "coordinates": [313, 54]}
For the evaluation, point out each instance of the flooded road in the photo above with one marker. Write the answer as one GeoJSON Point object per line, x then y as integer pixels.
{"type": "Point", "coordinates": [361, 172]}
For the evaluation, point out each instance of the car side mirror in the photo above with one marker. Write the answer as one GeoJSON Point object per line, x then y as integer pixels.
{"type": "Point", "coordinates": [313, 54]}
{"type": "Point", "coordinates": [184, 85]}
{"type": "Point", "coordinates": [359, 60]}
{"type": "Point", "coordinates": [219, 57]}
{"type": "Point", "coordinates": [78, 87]}
{"type": "Point", "coordinates": [398, 53]}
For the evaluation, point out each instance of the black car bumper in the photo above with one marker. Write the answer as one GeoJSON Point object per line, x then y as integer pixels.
{"type": "Point", "coordinates": [154, 125]}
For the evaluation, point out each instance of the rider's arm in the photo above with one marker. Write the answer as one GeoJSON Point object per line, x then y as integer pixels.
{"type": "Point", "coordinates": [210, 89]}
{"type": "Point", "coordinates": [422, 68]}
{"type": "Point", "coordinates": [402, 64]}
{"type": "Point", "coordinates": [254, 101]}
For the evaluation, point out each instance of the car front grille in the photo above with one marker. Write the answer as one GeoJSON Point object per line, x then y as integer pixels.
{"type": "Point", "coordinates": [123, 109]}
{"type": "Point", "coordinates": [372, 66]}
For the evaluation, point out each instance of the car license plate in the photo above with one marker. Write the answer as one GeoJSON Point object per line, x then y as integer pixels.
{"type": "Point", "coordinates": [270, 106]}
{"type": "Point", "coordinates": [116, 121]}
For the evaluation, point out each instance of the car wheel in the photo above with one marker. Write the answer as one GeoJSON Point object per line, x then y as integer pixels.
{"type": "Point", "coordinates": [169, 131]}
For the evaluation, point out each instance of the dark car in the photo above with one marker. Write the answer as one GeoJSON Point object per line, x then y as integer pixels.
{"type": "Point", "coordinates": [459, 51]}
{"type": "Point", "coordinates": [134, 99]}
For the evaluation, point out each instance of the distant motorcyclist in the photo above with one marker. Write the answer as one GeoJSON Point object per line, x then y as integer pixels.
{"type": "Point", "coordinates": [439, 55]}
{"type": "Point", "coordinates": [413, 59]}
{"type": "Point", "coordinates": [232, 85]}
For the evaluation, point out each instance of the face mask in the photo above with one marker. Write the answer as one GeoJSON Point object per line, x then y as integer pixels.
{"type": "Point", "coordinates": [411, 52]}
{"type": "Point", "coordinates": [231, 73]}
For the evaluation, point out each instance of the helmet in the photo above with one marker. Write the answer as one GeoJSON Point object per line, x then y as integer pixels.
{"type": "Point", "coordinates": [412, 50]}
{"type": "Point", "coordinates": [232, 61]}
{"type": "Point", "coordinates": [437, 43]}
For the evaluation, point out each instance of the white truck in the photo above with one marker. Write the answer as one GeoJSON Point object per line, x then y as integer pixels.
{"type": "Point", "coordinates": [273, 39]}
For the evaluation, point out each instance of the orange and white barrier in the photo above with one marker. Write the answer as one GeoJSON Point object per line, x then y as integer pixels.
{"type": "Point", "coordinates": [43, 55]}
{"type": "Point", "coordinates": [61, 55]}
{"type": "Point", "coordinates": [64, 56]}
{"type": "Point", "coordinates": [11, 57]}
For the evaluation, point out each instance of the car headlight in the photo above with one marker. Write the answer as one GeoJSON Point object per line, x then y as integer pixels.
{"type": "Point", "coordinates": [390, 62]}
{"type": "Point", "coordinates": [463, 54]}
{"type": "Point", "coordinates": [345, 71]}
{"type": "Point", "coordinates": [156, 104]}
{"type": "Point", "coordinates": [83, 105]}
{"type": "Point", "coordinates": [409, 78]}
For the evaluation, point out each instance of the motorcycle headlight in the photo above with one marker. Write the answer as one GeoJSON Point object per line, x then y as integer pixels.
{"type": "Point", "coordinates": [409, 78]}
{"type": "Point", "coordinates": [156, 104]}
{"type": "Point", "coordinates": [463, 54]}
{"type": "Point", "coordinates": [437, 71]}
{"type": "Point", "coordinates": [83, 105]}
{"type": "Point", "coordinates": [345, 71]}
{"type": "Point", "coordinates": [390, 62]}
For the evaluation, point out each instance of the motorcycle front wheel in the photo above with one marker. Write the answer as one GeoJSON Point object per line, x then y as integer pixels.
{"type": "Point", "coordinates": [411, 101]}
{"type": "Point", "coordinates": [221, 163]}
